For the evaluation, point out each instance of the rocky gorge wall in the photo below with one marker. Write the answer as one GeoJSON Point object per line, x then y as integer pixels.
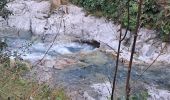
{"type": "Point", "coordinates": [33, 18]}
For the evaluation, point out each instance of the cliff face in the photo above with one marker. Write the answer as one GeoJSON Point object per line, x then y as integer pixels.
{"type": "Point", "coordinates": [31, 17]}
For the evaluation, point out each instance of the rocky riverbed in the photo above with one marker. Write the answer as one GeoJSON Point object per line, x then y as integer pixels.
{"type": "Point", "coordinates": [78, 59]}
{"type": "Point", "coordinates": [85, 70]}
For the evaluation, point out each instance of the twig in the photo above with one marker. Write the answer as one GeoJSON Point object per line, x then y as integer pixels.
{"type": "Point", "coordinates": [150, 65]}
{"type": "Point", "coordinates": [50, 45]}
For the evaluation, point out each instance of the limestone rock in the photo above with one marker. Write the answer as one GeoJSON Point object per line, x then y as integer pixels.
{"type": "Point", "coordinates": [32, 17]}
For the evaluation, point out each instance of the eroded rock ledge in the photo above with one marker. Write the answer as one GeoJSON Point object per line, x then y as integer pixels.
{"type": "Point", "coordinates": [31, 17]}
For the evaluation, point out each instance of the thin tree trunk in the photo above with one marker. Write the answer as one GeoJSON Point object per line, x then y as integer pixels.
{"type": "Point", "coordinates": [118, 52]}
{"type": "Point", "coordinates": [128, 11]}
{"type": "Point", "coordinates": [133, 50]}
{"type": "Point", "coordinates": [117, 64]}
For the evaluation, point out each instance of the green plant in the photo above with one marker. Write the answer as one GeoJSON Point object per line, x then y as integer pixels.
{"type": "Point", "coordinates": [155, 15]}
{"type": "Point", "coordinates": [14, 87]}
{"type": "Point", "coordinates": [143, 95]}
{"type": "Point", "coordinates": [3, 11]}
{"type": "Point", "coordinates": [3, 4]}
{"type": "Point", "coordinates": [3, 45]}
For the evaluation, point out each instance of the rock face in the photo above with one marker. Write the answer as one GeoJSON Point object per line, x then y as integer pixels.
{"type": "Point", "coordinates": [158, 94]}
{"type": "Point", "coordinates": [34, 18]}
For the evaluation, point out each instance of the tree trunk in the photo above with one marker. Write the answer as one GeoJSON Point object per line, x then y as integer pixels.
{"type": "Point", "coordinates": [133, 50]}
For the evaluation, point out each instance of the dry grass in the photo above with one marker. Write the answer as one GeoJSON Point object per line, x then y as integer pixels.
{"type": "Point", "coordinates": [14, 87]}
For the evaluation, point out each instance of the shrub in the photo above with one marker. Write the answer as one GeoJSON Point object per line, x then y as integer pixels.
{"type": "Point", "coordinates": [156, 14]}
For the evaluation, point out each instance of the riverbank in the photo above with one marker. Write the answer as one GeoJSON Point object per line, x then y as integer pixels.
{"type": "Point", "coordinates": [79, 58]}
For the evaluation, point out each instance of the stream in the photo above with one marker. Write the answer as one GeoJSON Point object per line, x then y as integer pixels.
{"type": "Point", "coordinates": [85, 70]}
{"type": "Point", "coordinates": [75, 61]}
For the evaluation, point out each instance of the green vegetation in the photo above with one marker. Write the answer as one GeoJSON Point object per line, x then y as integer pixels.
{"type": "Point", "coordinates": [3, 4]}
{"type": "Point", "coordinates": [14, 87]}
{"type": "Point", "coordinates": [143, 95]}
{"type": "Point", "coordinates": [156, 13]}
{"type": "Point", "coordinates": [12, 84]}
{"type": "Point", "coordinates": [3, 11]}
{"type": "Point", "coordinates": [137, 95]}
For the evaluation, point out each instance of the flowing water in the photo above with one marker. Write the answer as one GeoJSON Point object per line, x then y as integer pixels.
{"type": "Point", "coordinates": [83, 67]}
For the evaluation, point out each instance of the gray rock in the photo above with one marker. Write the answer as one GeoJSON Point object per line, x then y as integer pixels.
{"type": "Point", "coordinates": [34, 16]}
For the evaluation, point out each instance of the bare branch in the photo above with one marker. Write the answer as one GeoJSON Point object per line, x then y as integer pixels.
{"type": "Point", "coordinates": [149, 65]}
{"type": "Point", "coordinates": [50, 45]}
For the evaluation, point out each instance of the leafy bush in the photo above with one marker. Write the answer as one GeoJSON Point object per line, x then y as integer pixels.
{"type": "Point", "coordinates": [3, 11]}
{"type": "Point", "coordinates": [3, 4]}
{"type": "Point", "coordinates": [140, 96]}
{"type": "Point", "coordinates": [155, 14]}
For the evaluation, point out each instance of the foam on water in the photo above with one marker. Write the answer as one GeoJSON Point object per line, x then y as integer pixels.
{"type": "Point", "coordinates": [36, 50]}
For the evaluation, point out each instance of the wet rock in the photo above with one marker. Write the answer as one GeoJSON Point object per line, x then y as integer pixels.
{"type": "Point", "coordinates": [96, 58]}
{"type": "Point", "coordinates": [90, 81]}
{"type": "Point", "coordinates": [158, 94]}
{"type": "Point", "coordinates": [64, 63]}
